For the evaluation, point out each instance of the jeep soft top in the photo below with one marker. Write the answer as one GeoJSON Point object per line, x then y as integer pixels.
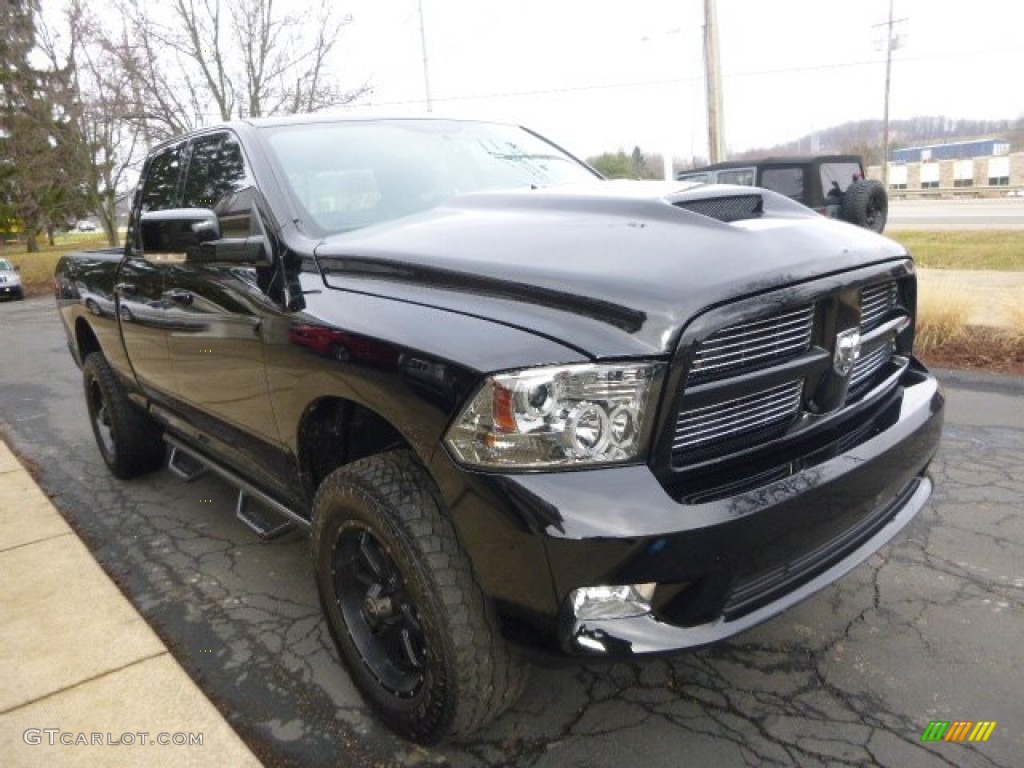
{"type": "Point", "coordinates": [833, 185]}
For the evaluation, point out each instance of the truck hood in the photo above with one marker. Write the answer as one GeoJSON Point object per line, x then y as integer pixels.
{"type": "Point", "coordinates": [613, 268]}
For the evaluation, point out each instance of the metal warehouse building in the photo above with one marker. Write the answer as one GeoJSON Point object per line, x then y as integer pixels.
{"type": "Point", "coordinates": [958, 150]}
{"type": "Point", "coordinates": [994, 175]}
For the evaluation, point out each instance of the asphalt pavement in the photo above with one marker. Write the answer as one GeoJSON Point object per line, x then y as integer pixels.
{"type": "Point", "coordinates": [962, 213]}
{"type": "Point", "coordinates": [930, 629]}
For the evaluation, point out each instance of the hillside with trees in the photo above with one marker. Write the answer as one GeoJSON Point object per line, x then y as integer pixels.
{"type": "Point", "coordinates": [864, 137]}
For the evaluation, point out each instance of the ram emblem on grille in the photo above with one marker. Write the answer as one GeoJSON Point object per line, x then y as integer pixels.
{"type": "Point", "coordinates": [847, 351]}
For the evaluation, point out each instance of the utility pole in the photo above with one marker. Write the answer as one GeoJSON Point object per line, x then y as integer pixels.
{"type": "Point", "coordinates": [713, 79]}
{"type": "Point", "coordinates": [426, 71]}
{"type": "Point", "coordinates": [892, 43]}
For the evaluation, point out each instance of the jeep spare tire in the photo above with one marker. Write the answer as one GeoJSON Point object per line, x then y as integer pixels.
{"type": "Point", "coordinates": [865, 204]}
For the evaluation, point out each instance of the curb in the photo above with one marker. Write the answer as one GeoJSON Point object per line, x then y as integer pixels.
{"type": "Point", "coordinates": [998, 383]}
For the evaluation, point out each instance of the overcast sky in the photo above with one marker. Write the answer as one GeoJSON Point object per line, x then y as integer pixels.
{"type": "Point", "coordinates": [598, 75]}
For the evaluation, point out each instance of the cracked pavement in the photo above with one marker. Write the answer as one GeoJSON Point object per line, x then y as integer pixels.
{"type": "Point", "coordinates": [932, 628]}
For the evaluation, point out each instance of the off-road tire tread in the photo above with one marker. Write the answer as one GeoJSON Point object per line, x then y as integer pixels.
{"type": "Point", "coordinates": [856, 200]}
{"type": "Point", "coordinates": [488, 677]}
{"type": "Point", "coordinates": [138, 441]}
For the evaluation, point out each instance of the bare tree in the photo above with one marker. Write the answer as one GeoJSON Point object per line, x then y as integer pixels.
{"type": "Point", "coordinates": [109, 147]}
{"type": "Point", "coordinates": [196, 60]}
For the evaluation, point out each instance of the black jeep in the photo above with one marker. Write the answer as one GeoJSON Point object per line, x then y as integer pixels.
{"type": "Point", "coordinates": [833, 185]}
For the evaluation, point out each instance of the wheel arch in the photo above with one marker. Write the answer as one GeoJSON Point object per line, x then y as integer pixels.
{"type": "Point", "coordinates": [86, 340]}
{"type": "Point", "coordinates": [335, 431]}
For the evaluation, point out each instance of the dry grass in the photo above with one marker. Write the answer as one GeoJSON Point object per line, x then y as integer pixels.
{"type": "Point", "coordinates": [37, 268]}
{"type": "Point", "coordinates": [941, 318]}
{"type": "Point", "coordinates": [944, 338]}
{"type": "Point", "coordinates": [1014, 311]}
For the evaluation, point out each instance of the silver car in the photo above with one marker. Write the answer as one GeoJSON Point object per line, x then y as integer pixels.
{"type": "Point", "coordinates": [10, 281]}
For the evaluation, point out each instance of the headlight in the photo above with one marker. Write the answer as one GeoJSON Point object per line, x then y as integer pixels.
{"type": "Point", "coordinates": [558, 416]}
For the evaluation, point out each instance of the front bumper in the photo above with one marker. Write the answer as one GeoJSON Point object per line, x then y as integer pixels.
{"type": "Point", "coordinates": [652, 634]}
{"type": "Point", "coordinates": [721, 565]}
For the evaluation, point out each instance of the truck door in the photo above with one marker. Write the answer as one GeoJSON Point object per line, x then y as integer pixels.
{"type": "Point", "coordinates": [216, 338]}
{"type": "Point", "coordinates": [139, 289]}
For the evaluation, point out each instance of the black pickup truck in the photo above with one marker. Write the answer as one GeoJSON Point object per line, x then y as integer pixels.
{"type": "Point", "coordinates": [521, 409]}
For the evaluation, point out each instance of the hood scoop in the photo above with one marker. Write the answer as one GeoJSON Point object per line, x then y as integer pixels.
{"type": "Point", "coordinates": [727, 209]}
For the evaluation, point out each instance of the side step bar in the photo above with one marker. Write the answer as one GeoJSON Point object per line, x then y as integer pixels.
{"type": "Point", "coordinates": [184, 465]}
{"type": "Point", "coordinates": [189, 465]}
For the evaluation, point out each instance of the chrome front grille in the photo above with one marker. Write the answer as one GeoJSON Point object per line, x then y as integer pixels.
{"type": "Point", "coordinates": [757, 343]}
{"type": "Point", "coordinates": [876, 301]}
{"type": "Point", "coordinates": [870, 364]}
{"type": "Point", "coordinates": [721, 411]}
{"type": "Point", "coordinates": [702, 427]}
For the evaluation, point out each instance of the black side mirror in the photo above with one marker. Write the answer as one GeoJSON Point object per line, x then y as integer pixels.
{"type": "Point", "coordinates": [244, 216]}
{"type": "Point", "coordinates": [252, 251]}
{"type": "Point", "coordinates": [177, 230]}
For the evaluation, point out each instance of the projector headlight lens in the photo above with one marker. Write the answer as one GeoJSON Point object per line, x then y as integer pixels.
{"type": "Point", "coordinates": [558, 416]}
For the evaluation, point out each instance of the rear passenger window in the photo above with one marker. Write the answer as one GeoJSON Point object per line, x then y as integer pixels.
{"type": "Point", "coordinates": [742, 176]}
{"type": "Point", "coordinates": [785, 181]}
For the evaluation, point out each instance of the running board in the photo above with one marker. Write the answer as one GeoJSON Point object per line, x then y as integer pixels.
{"type": "Point", "coordinates": [258, 523]}
{"type": "Point", "coordinates": [189, 464]}
{"type": "Point", "coordinates": [184, 465]}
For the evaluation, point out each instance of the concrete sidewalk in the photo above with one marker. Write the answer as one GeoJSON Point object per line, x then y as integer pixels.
{"type": "Point", "coordinates": [84, 681]}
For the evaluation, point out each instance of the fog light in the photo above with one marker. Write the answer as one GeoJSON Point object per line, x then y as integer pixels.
{"type": "Point", "coordinates": [595, 603]}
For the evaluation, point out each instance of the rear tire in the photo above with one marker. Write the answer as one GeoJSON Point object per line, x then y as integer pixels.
{"type": "Point", "coordinates": [418, 636]}
{"type": "Point", "coordinates": [865, 204]}
{"type": "Point", "coordinates": [130, 441]}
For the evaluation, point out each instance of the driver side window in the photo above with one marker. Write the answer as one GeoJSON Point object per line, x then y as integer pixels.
{"type": "Point", "coordinates": [216, 170]}
{"type": "Point", "coordinates": [159, 189]}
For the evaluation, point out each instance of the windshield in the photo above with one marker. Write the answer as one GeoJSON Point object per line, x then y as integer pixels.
{"type": "Point", "coordinates": [347, 175]}
{"type": "Point", "coordinates": [5, 266]}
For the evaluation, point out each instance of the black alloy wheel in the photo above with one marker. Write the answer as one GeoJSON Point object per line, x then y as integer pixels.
{"type": "Point", "coordinates": [866, 204]}
{"type": "Point", "coordinates": [418, 636]}
{"type": "Point", "coordinates": [99, 413]}
{"type": "Point", "coordinates": [378, 610]}
{"type": "Point", "coordinates": [130, 441]}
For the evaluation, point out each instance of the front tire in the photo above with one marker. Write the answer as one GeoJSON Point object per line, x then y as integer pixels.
{"type": "Point", "coordinates": [418, 636]}
{"type": "Point", "coordinates": [130, 441]}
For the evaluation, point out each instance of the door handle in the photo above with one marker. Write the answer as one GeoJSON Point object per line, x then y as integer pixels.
{"type": "Point", "coordinates": [180, 296]}
{"type": "Point", "coordinates": [125, 289]}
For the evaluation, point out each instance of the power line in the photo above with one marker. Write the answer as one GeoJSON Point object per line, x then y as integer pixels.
{"type": "Point", "coordinates": [688, 79]}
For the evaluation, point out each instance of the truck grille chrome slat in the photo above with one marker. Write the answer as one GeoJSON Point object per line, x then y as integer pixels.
{"type": "Point", "coordinates": [870, 364]}
{"type": "Point", "coordinates": [875, 303]}
{"type": "Point", "coordinates": [758, 342]}
{"type": "Point", "coordinates": [733, 418]}
{"type": "Point", "coordinates": [730, 423]}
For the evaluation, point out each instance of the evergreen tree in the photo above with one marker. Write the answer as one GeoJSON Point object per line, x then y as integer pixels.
{"type": "Point", "coordinates": [41, 170]}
